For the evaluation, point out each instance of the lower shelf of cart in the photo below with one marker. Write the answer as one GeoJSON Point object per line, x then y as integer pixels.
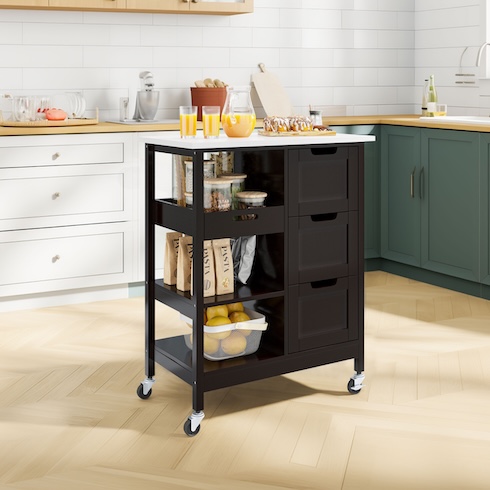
{"type": "Point", "coordinates": [176, 357]}
{"type": "Point", "coordinates": [176, 349]}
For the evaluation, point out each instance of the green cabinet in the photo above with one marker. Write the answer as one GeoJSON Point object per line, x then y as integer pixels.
{"type": "Point", "coordinates": [450, 203]}
{"type": "Point", "coordinates": [430, 199]}
{"type": "Point", "coordinates": [485, 208]}
{"type": "Point", "coordinates": [371, 186]}
{"type": "Point", "coordinates": [400, 194]}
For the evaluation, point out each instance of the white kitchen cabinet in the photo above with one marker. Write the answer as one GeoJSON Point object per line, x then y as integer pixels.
{"type": "Point", "coordinates": [67, 212]}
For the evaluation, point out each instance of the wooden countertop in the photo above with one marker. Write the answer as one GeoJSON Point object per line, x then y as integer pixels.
{"type": "Point", "coordinates": [107, 127]}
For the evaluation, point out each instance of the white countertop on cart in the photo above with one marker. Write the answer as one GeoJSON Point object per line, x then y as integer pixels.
{"type": "Point", "coordinates": [173, 139]}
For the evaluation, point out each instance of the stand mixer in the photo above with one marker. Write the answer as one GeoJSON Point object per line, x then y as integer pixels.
{"type": "Point", "coordinates": [146, 99]}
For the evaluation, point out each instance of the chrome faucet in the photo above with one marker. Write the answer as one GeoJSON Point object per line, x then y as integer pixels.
{"type": "Point", "coordinates": [480, 52]}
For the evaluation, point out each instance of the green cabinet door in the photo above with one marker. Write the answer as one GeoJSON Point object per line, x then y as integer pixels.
{"type": "Point", "coordinates": [371, 186]}
{"type": "Point", "coordinates": [400, 194]}
{"type": "Point", "coordinates": [485, 208]}
{"type": "Point", "coordinates": [450, 202]}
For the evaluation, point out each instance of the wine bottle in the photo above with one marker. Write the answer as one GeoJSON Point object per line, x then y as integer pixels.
{"type": "Point", "coordinates": [432, 97]}
{"type": "Point", "coordinates": [425, 97]}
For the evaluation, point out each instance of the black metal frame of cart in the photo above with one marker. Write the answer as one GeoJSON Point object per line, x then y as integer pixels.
{"type": "Point", "coordinates": [335, 170]}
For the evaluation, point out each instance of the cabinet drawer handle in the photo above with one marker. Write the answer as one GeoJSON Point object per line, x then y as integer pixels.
{"type": "Point", "coordinates": [56, 155]}
{"type": "Point", "coordinates": [325, 283]}
{"type": "Point", "coordinates": [55, 259]}
{"type": "Point", "coordinates": [324, 217]}
{"type": "Point", "coordinates": [412, 183]}
{"type": "Point", "coordinates": [55, 196]}
{"type": "Point", "coordinates": [422, 183]}
{"type": "Point", "coordinates": [324, 151]}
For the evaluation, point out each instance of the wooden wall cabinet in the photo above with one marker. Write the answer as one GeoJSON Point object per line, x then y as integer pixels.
{"type": "Point", "coordinates": [229, 7]}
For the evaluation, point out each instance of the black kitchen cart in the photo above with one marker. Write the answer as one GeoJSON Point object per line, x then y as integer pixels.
{"type": "Point", "coordinates": [308, 270]}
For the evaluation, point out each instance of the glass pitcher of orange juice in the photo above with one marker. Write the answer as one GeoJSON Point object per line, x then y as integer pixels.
{"type": "Point", "coordinates": [238, 117]}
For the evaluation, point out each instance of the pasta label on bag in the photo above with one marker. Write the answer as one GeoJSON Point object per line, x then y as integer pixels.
{"type": "Point", "coordinates": [223, 260]}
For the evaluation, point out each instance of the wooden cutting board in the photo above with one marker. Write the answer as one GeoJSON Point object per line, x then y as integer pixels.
{"type": "Point", "coordinates": [272, 95]}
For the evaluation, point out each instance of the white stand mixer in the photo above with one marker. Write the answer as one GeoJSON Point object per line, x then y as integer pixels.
{"type": "Point", "coordinates": [146, 99]}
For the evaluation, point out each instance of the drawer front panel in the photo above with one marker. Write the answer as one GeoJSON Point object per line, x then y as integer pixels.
{"type": "Point", "coordinates": [56, 196]}
{"type": "Point", "coordinates": [323, 313]}
{"type": "Point", "coordinates": [323, 180]}
{"type": "Point", "coordinates": [323, 247]}
{"type": "Point", "coordinates": [76, 154]}
{"type": "Point", "coordinates": [27, 261]}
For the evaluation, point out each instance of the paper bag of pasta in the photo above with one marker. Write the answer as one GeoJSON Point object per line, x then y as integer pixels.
{"type": "Point", "coordinates": [184, 261]}
{"type": "Point", "coordinates": [223, 261]}
{"type": "Point", "coordinates": [170, 260]}
{"type": "Point", "coordinates": [209, 278]}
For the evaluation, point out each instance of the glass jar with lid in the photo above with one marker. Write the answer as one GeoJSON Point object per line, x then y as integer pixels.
{"type": "Point", "coordinates": [250, 200]}
{"type": "Point", "coordinates": [237, 185]}
{"type": "Point", "coordinates": [217, 195]}
{"type": "Point", "coordinates": [208, 172]}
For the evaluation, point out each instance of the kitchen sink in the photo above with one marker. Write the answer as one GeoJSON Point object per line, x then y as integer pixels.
{"type": "Point", "coordinates": [460, 119]}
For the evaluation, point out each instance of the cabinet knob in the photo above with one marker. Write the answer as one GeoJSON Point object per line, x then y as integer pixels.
{"type": "Point", "coordinates": [55, 196]}
{"type": "Point", "coordinates": [55, 259]}
{"type": "Point", "coordinates": [185, 1]}
{"type": "Point", "coordinates": [56, 155]}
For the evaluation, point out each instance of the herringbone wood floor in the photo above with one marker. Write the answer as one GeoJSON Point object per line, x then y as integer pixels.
{"type": "Point", "coordinates": [70, 418]}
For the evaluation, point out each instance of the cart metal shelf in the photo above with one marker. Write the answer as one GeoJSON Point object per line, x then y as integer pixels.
{"type": "Point", "coordinates": [315, 187]}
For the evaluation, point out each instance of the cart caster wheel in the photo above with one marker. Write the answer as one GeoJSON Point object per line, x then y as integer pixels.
{"type": "Point", "coordinates": [354, 385]}
{"type": "Point", "coordinates": [188, 430]}
{"type": "Point", "coordinates": [193, 424]}
{"type": "Point", "coordinates": [350, 387]}
{"type": "Point", "coordinates": [140, 391]}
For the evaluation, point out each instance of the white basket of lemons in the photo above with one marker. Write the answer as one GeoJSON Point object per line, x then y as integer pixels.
{"type": "Point", "coordinates": [229, 331]}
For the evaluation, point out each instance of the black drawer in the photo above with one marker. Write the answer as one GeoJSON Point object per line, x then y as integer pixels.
{"type": "Point", "coordinates": [323, 246]}
{"type": "Point", "coordinates": [323, 313]}
{"type": "Point", "coordinates": [323, 180]}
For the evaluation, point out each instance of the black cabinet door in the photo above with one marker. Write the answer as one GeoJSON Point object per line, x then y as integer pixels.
{"type": "Point", "coordinates": [323, 313]}
{"type": "Point", "coordinates": [323, 246]}
{"type": "Point", "coordinates": [323, 180]}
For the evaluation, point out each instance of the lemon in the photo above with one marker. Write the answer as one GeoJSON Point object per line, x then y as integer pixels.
{"type": "Point", "coordinates": [234, 344]}
{"type": "Point", "coordinates": [234, 307]}
{"type": "Point", "coordinates": [218, 310]}
{"type": "Point", "coordinates": [211, 345]}
{"type": "Point", "coordinates": [238, 316]}
{"type": "Point", "coordinates": [216, 322]}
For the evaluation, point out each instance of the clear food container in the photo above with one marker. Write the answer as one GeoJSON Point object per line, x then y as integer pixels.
{"type": "Point", "coordinates": [188, 198]}
{"type": "Point", "coordinates": [217, 195]}
{"type": "Point", "coordinates": [237, 185]}
{"type": "Point", "coordinates": [250, 200]}
{"type": "Point", "coordinates": [208, 173]}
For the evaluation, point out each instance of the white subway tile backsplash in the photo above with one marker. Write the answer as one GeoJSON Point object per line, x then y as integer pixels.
{"type": "Point", "coordinates": [369, 56]}
{"type": "Point", "coordinates": [11, 33]}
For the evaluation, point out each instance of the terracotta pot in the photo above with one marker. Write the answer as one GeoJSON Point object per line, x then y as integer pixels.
{"type": "Point", "coordinates": [207, 96]}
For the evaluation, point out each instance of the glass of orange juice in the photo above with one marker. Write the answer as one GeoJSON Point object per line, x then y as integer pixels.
{"type": "Point", "coordinates": [211, 120]}
{"type": "Point", "coordinates": [188, 121]}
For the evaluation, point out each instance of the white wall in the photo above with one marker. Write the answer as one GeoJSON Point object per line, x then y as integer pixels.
{"type": "Point", "coordinates": [361, 56]}
{"type": "Point", "coordinates": [443, 29]}
{"type": "Point", "coordinates": [353, 53]}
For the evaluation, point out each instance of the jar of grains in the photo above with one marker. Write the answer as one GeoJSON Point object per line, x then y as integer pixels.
{"type": "Point", "coordinates": [237, 185]}
{"type": "Point", "coordinates": [250, 200]}
{"type": "Point", "coordinates": [208, 172]}
{"type": "Point", "coordinates": [217, 195]}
